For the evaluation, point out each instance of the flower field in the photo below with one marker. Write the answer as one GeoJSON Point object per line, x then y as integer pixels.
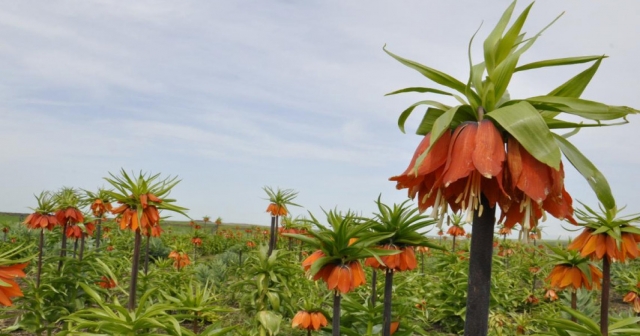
{"type": "Point", "coordinates": [441, 262]}
{"type": "Point", "coordinates": [208, 278]}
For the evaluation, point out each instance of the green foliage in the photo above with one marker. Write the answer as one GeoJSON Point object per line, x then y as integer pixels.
{"type": "Point", "coordinates": [530, 120]}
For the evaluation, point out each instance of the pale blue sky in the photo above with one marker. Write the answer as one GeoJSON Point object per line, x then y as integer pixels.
{"type": "Point", "coordinates": [235, 95]}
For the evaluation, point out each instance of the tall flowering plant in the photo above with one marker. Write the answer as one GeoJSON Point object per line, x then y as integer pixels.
{"type": "Point", "coordinates": [279, 201]}
{"type": "Point", "coordinates": [100, 205]}
{"type": "Point", "coordinates": [609, 238]}
{"type": "Point", "coordinates": [141, 198]}
{"type": "Point", "coordinates": [339, 248]}
{"type": "Point", "coordinates": [402, 224]}
{"type": "Point", "coordinates": [490, 151]}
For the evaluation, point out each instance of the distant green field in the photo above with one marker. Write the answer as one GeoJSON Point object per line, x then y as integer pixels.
{"type": "Point", "coordinates": [11, 218]}
{"type": "Point", "coordinates": [178, 225]}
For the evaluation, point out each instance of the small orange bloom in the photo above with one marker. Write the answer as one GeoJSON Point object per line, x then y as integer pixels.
{"type": "Point", "coordinates": [251, 244]}
{"type": "Point", "coordinates": [532, 299]}
{"type": "Point", "coordinates": [456, 231]}
{"type": "Point", "coordinates": [181, 259]}
{"type": "Point", "coordinates": [8, 286]}
{"type": "Point", "coordinates": [565, 275]}
{"type": "Point", "coordinates": [40, 221]}
{"type": "Point", "coordinates": [99, 208]}
{"type": "Point", "coordinates": [404, 261]}
{"type": "Point", "coordinates": [551, 295]}
{"type": "Point", "coordinates": [276, 210]}
{"type": "Point", "coordinates": [597, 246]}
{"type": "Point", "coordinates": [69, 215]}
{"type": "Point", "coordinates": [107, 283]}
{"type": "Point", "coordinates": [309, 320]}
{"type": "Point", "coordinates": [196, 241]}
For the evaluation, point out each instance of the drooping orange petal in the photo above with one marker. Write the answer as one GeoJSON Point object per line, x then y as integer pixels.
{"type": "Point", "coordinates": [576, 277]}
{"type": "Point", "coordinates": [514, 162]}
{"type": "Point", "coordinates": [394, 327]}
{"type": "Point", "coordinates": [489, 153]}
{"type": "Point", "coordinates": [460, 161]}
{"type": "Point", "coordinates": [334, 278]}
{"type": "Point", "coordinates": [345, 279]}
{"type": "Point", "coordinates": [601, 245]}
{"type": "Point", "coordinates": [316, 320]}
{"type": "Point", "coordinates": [590, 246]}
{"type": "Point", "coordinates": [560, 206]}
{"type": "Point", "coordinates": [630, 245]}
{"type": "Point", "coordinates": [534, 180]}
{"type": "Point", "coordinates": [580, 241]}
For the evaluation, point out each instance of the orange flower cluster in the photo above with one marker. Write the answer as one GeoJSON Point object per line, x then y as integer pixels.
{"type": "Point", "coordinates": [597, 246]}
{"type": "Point", "coordinates": [129, 216]}
{"type": "Point", "coordinates": [196, 241]}
{"type": "Point", "coordinates": [551, 295]}
{"type": "Point", "coordinates": [276, 210]}
{"type": "Point", "coordinates": [282, 230]}
{"type": "Point", "coordinates": [155, 231]}
{"type": "Point", "coordinates": [340, 277]}
{"type": "Point", "coordinates": [181, 259]}
{"type": "Point", "coordinates": [404, 261]}
{"type": "Point", "coordinates": [309, 320]}
{"type": "Point", "coordinates": [8, 286]}
{"type": "Point", "coordinates": [251, 244]}
{"type": "Point", "coordinates": [473, 160]}
{"type": "Point", "coordinates": [107, 283]}
{"type": "Point", "coordinates": [456, 231]}
{"type": "Point", "coordinates": [565, 275]}
{"type": "Point", "coordinates": [40, 221]}
{"type": "Point", "coordinates": [504, 231]}
{"type": "Point", "coordinates": [502, 252]}
{"type": "Point", "coordinates": [74, 231]}
{"type": "Point", "coordinates": [422, 249]}
{"type": "Point", "coordinates": [99, 208]}
{"type": "Point", "coordinates": [633, 299]}
{"type": "Point", "coordinates": [69, 215]}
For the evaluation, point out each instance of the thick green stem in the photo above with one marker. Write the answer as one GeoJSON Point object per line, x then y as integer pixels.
{"type": "Point", "coordinates": [272, 235]}
{"type": "Point", "coordinates": [479, 283]}
{"type": "Point", "coordinates": [300, 252]}
{"type": "Point", "coordinates": [374, 284]}
{"type": "Point", "coordinates": [98, 232]}
{"type": "Point", "coordinates": [604, 303]}
{"type": "Point", "coordinates": [146, 257]}
{"type": "Point", "coordinates": [81, 248]}
{"type": "Point", "coordinates": [133, 285]}
{"type": "Point", "coordinates": [63, 246]}
{"type": "Point", "coordinates": [453, 247]}
{"type": "Point", "coordinates": [336, 314]}
{"type": "Point", "coordinates": [574, 303]}
{"type": "Point", "coordinates": [40, 258]}
{"type": "Point", "coordinates": [386, 314]}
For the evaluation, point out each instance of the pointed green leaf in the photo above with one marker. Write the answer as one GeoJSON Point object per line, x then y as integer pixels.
{"type": "Point", "coordinates": [507, 44]}
{"type": "Point", "coordinates": [594, 177]}
{"type": "Point", "coordinates": [490, 43]}
{"type": "Point", "coordinates": [405, 114]}
{"type": "Point", "coordinates": [581, 107]}
{"type": "Point", "coordinates": [434, 75]}
{"type": "Point", "coordinates": [525, 124]}
{"type": "Point", "coordinates": [559, 62]}
{"type": "Point", "coordinates": [420, 90]}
